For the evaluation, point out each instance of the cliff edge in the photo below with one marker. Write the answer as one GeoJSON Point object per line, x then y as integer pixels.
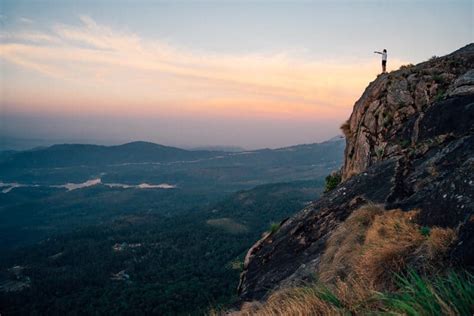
{"type": "Point", "coordinates": [386, 118]}
{"type": "Point", "coordinates": [409, 145]}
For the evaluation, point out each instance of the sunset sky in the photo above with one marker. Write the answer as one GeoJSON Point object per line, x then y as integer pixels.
{"type": "Point", "coordinates": [193, 73]}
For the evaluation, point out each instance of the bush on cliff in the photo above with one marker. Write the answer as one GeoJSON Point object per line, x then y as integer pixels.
{"type": "Point", "coordinates": [346, 129]}
{"type": "Point", "coordinates": [332, 181]}
{"type": "Point", "coordinates": [274, 227]}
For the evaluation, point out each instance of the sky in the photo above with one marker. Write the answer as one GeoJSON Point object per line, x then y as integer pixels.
{"type": "Point", "coordinates": [252, 74]}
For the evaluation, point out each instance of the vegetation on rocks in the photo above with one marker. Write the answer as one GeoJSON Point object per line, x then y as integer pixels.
{"type": "Point", "coordinates": [332, 181]}
{"type": "Point", "coordinates": [274, 227]}
{"type": "Point", "coordinates": [451, 293]}
{"type": "Point", "coordinates": [379, 261]}
{"type": "Point", "coordinates": [373, 243]}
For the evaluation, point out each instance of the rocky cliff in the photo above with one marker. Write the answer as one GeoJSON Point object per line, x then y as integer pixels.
{"type": "Point", "coordinates": [410, 144]}
{"type": "Point", "coordinates": [386, 119]}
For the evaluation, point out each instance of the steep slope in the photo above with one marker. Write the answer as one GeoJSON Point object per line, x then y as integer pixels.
{"type": "Point", "coordinates": [409, 144]}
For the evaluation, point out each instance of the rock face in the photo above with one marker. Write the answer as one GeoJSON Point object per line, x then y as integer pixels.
{"type": "Point", "coordinates": [410, 144]}
{"type": "Point", "coordinates": [385, 119]}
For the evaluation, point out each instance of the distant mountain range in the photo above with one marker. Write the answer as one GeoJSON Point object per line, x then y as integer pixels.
{"type": "Point", "coordinates": [69, 155]}
{"type": "Point", "coordinates": [219, 148]}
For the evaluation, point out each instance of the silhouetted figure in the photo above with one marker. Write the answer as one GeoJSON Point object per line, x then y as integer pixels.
{"type": "Point", "coordinates": [384, 60]}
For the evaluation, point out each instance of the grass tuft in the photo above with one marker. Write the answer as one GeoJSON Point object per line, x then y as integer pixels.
{"type": "Point", "coordinates": [446, 294]}
{"type": "Point", "coordinates": [450, 294]}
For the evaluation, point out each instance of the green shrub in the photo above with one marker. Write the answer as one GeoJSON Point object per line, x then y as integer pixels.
{"type": "Point", "coordinates": [425, 231]}
{"type": "Point", "coordinates": [332, 181]}
{"type": "Point", "coordinates": [438, 79]}
{"type": "Point", "coordinates": [387, 120]}
{"type": "Point", "coordinates": [440, 95]}
{"type": "Point", "coordinates": [236, 265]}
{"type": "Point", "coordinates": [407, 66]}
{"type": "Point", "coordinates": [379, 152]}
{"type": "Point", "coordinates": [404, 143]}
{"type": "Point", "coordinates": [274, 227]}
{"type": "Point", "coordinates": [453, 63]}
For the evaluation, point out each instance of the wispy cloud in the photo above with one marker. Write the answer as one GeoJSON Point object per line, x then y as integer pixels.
{"type": "Point", "coordinates": [119, 69]}
{"type": "Point", "coordinates": [26, 20]}
{"type": "Point", "coordinates": [29, 36]}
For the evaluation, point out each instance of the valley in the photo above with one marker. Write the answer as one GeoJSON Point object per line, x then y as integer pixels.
{"type": "Point", "coordinates": [175, 230]}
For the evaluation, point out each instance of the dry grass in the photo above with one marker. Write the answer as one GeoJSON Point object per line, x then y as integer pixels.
{"type": "Point", "coordinates": [439, 242]}
{"type": "Point", "coordinates": [345, 244]}
{"type": "Point", "coordinates": [361, 257]}
{"type": "Point", "coordinates": [373, 244]}
{"type": "Point", "coordinates": [344, 298]}
{"type": "Point", "coordinates": [346, 129]}
{"type": "Point", "coordinates": [445, 294]}
{"type": "Point", "coordinates": [390, 243]}
{"type": "Point", "coordinates": [299, 301]}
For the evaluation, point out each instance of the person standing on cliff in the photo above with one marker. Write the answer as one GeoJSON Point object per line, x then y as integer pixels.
{"type": "Point", "coordinates": [384, 60]}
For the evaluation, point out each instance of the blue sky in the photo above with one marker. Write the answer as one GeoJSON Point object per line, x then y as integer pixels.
{"type": "Point", "coordinates": [246, 64]}
{"type": "Point", "coordinates": [410, 29]}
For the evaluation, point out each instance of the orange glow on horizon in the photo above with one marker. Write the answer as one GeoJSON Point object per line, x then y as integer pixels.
{"type": "Point", "coordinates": [93, 70]}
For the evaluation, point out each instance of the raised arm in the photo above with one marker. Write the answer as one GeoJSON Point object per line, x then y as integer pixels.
{"type": "Point", "coordinates": [378, 52]}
